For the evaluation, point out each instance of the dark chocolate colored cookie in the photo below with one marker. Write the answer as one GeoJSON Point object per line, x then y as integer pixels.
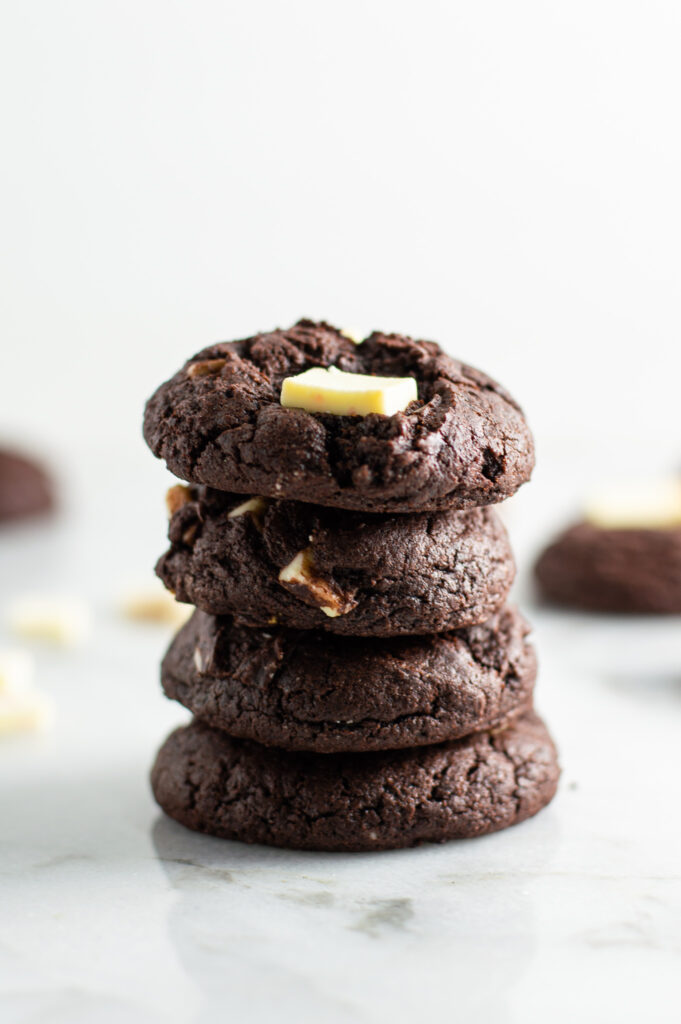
{"type": "Point", "coordinates": [311, 691]}
{"type": "Point", "coordinates": [25, 488]}
{"type": "Point", "coordinates": [219, 421]}
{"type": "Point", "coordinates": [349, 572]}
{"type": "Point", "coordinates": [608, 570]}
{"type": "Point", "coordinates": [239, 790]}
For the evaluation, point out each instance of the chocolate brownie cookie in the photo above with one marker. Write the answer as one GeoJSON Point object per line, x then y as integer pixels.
{"type": "Point", "coordinates": [312, 691]}
{"type": "Point", "coordinates": [219, 421]}
{"type": "Point", "coordinates": [307, 567]}
{"type": "Point", "coordinates": [239, 790]}
{"type": "Point", "coordinates": [613, 570]}
{"type": "Point", "coordinates": [25, 488]}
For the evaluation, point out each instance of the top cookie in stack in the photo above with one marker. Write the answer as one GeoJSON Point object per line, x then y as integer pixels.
{"type": "Point", "coordinates": [462, 443]}
{"type": "Point", "coordinates": [341, 488]}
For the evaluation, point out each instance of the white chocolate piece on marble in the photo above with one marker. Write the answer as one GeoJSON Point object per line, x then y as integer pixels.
{"type": "Point", "coordinates": [61, 621]}
{"type": "Point", "coordinates": [642, 505]}
{"type": "Point", "coordinates": [347, 394]}
{"type": "Point", "coordinates": [24, 712]}
{"type": "Point", "coordinates": [155, 605]}
{"type": "Point", "coordinates": [16, 670]}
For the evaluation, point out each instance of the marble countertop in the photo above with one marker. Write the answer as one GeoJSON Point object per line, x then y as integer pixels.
{"type": "Point", "coordinates": [111, 913]}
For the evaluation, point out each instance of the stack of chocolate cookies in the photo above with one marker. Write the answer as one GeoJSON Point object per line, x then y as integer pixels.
{"type": "Point", "coordinates": [356, 678]}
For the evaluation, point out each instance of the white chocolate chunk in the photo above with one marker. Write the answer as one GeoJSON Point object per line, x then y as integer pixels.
{"type": "Point", "coordinates": [347, 394]}
{"type": "Point", "coordinates": [156, 605]}
{"type": "Point", "coordinates": [22, 709]}
{"type": "Point", "coordinates": [254, 505]}
{"type": "Point", "coordinates": [297, 570]}
{"type": "Point", "coordinates": [61, 621]}
{"type": "Point", "coordinates": [327, 597]}
{"type": "Point", "coordinates": [16, 671]}
{"type": "Point", "coordinates": [23, 712]}
{"type": "Point", "coordinates": [353, 334]}
{"type": "Point", "coordinates": [646, 505]}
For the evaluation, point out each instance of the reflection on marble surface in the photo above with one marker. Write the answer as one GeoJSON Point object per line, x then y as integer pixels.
{"type": "Point", "coordinates": [330, 934]}
{"type": "Point", "coordinates": [111, 914]}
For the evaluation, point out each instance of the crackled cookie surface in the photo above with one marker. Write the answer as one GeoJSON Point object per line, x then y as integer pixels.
{"type": "Point", "coordinates": [240, 790]}
{"type": "Point", "coordinates": [219, 421]}
{"type": "Point", "coordinates": [287, 563]}
{"type": "Point", "coordinates": [312, 691]}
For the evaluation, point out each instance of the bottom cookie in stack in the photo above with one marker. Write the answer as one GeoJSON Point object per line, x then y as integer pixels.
{"type": "Point", "coordinates": [237, 789]}
{"type": "Point", "coordinates": [311, 741]}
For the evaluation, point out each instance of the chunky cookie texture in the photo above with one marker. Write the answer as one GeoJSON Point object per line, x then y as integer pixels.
{"type": "Point", "coordinates": [311, 691]}
{"type": "Point", "coordinates": [240, 790]}
{"type": "Point", "coordinates": [613, 570]}
{"type": "Point", "coordinates": [25, 487]}
{"type": "Point", "coordinates": [219, 421]}
{"type": "Point", "coordinates": [307, 567]}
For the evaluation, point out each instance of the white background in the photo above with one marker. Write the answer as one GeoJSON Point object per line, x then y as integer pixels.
{"type": "Point", "coordinates": [501, 177]}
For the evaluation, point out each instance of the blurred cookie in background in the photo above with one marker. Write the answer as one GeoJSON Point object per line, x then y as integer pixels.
{"type": "Point", "coordinates": [26, 488]}
{"type": "Point", "coordinates": [623, 556]}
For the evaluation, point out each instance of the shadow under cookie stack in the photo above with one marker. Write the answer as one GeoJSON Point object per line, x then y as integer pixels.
{"type": "Point", "coordinates": [356, 678]}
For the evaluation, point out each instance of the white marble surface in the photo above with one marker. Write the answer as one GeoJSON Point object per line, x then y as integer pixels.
{"type": "Point", "coordinates": [109, 913]}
